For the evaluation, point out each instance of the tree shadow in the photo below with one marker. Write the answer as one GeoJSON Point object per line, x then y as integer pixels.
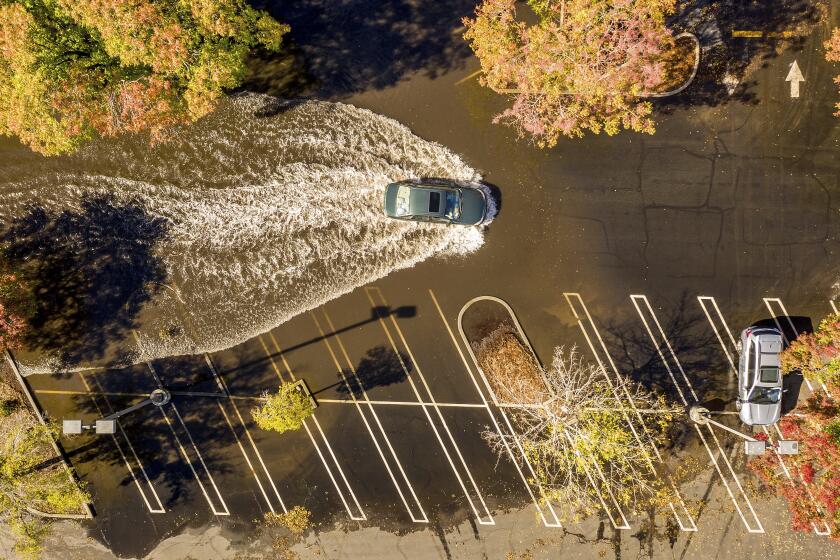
{"type": "Point", "coordinates": [379, 367]}
{"type": "Point", "coordinates": [90, 270]}
{"type": "Point", "coordinates": [725, 60]}
{"type": "Point", "coordinates": [337, 48]}
{"type": "Point", "coordinates": [694, 343]}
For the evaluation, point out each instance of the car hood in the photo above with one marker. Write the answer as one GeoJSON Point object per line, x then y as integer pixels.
{"type": "Point", "coordinates": [760, 414]}
{"type": "Point", "coordinates": [473, 207]}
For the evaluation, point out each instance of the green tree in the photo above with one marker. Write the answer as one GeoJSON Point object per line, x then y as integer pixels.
{"type": "Point", "coordinates": [284, 410]}
{"type": "Point", "coordinates": [74, 69]}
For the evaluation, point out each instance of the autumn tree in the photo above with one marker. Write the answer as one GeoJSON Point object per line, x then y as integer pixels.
{"type": "Point", "coordinates": [810, 480]}
{"type": "Point", "coordinates": [15, 307]}
{"type": "Point", "coordinates": [832, 54]}
{"type": "Point", "coordinates": [580, 67]}
{"type": "Point", "coordinates": [74, 69]}
{"type": "Point", "coordinates": [816, 355]}
{"type": "Point", "coordinates": [284, 410]}
{"type": "Point", "coordinates": [33, 484]}
{"type": "Point", "coordinates": [572, 427]}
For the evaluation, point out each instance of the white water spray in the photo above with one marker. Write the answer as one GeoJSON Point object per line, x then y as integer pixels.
{"type": "Point", "coordinates": [273, 209]}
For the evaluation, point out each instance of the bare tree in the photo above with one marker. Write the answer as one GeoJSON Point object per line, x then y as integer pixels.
{"type": "Point", "coordinates": [572, 423]}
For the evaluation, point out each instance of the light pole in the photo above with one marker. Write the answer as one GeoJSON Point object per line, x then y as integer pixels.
{"type": "Point", "coordinates": [701, 415]}
{"type": "Point", "coordinates": [108, 425]}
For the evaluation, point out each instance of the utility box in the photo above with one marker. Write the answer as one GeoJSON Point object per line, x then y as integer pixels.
{"type": "Point", "coordinates": [106, 426]}
{"type": "Point", "coordinates": [71, 427]}
{"type": "Point", "coordinates": [788, 447]}
{"type": "Point", "coordinates": [756, 447]}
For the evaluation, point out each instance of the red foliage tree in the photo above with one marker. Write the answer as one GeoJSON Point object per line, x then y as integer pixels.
{"type": "Point", "coordinates": [812, 491]}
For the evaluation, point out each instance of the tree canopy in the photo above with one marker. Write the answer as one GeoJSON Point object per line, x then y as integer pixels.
{"type": "Point", "coordinates": [74, 69]}
{"type": "Point", "coordinates": [581, 67]}
{"type": "Point", "coordinates": [32, 481]}
{"type": "Point", "coordinates": [284, 410]}
{"type": "Point", "coordinates": [15, 308]}
{"type": "Point", "coordinates": [574, 426]}
{"type": "Point", "coordinates": [816, 355]}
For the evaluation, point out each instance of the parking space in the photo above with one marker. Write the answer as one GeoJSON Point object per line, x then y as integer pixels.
{"type": "Point", "coordinates": [397, 438]}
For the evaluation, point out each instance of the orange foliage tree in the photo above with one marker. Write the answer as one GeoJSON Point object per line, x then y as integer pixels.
{"type": "Point", "coordinates": [580, 67]}
{"type": "Point", "coordinates": [74, 69]}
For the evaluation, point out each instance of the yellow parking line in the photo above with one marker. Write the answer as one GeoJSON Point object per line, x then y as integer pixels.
{"type": "Point", "coordinates": [754, 34]}
{"type": "Point", "coordinates": [145, 395]}
{"type": "Point", "coordinates": [468, 78]}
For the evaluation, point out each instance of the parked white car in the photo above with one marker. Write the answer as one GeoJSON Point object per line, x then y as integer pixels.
{"type": "Point", "coordinates": [759, 400]}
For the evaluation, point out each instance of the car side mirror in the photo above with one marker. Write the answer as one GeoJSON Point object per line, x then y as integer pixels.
{"type": "Point", "coordinates": [785, 390]}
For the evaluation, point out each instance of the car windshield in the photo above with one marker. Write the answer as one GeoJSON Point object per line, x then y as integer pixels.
{"type": "Point", "coordinates": [453, 206]}
{"type": "Point", "coordinates": [402, 202]}
{"type": "Point", "coordinates": [769, 375]}
{"type": "Point", "coordinates": [766, 395]}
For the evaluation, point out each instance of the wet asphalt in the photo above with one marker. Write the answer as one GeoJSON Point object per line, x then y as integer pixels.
{"type": "Point", "coordinates": [731, 199]}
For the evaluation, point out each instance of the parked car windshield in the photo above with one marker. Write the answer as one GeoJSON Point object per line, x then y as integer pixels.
{"type": "Point", "coordinates": [766, 395]}
{"type": "Point", "coordinates": [453, 208]}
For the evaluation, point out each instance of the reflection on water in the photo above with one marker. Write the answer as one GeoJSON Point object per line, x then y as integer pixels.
{"type": "Point", "coordinates": [272, 209]}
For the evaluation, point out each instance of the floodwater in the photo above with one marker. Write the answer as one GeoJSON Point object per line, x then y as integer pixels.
{"type": "Point", "coordinates": [269, 209]}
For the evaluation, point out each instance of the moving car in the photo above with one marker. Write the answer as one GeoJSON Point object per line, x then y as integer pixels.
{"type": "Point", "coordinates": [436, 200]}
{"type": "Point", "coordinates": [759, 400]}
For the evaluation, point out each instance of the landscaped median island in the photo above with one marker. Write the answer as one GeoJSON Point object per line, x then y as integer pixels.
{"type": "Point", "coordinates": [35, 486]}
{"type": "Point", "coordinates": [573, 424]}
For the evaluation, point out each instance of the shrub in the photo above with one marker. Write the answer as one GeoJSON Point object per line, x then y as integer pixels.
{"type": "Point", "coordinates": [283, 411]}
{"type": "Point", "coordinates": [295, 520]}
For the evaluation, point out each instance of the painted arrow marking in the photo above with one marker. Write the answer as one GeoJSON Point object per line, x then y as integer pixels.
{"type": "Point", "coordinates": [794, 77]}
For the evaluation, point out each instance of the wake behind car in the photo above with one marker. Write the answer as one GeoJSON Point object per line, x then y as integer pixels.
{"type": "Point", "coordinates": [759, 400]}
{"type": "Point", "coordinates": [436, 200]}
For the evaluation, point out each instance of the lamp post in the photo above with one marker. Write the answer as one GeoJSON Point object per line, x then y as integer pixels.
{"type": "Point", "coordinates": [701, 415]}
{"type": "Point", "coordinates": [108, 425]}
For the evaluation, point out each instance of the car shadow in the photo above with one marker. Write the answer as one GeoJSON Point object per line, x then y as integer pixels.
{"type": "Point", "coordinates": [800, 325]}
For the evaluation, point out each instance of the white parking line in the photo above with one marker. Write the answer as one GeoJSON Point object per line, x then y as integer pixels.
{"type": "Point", "coordinates": [546, 522]}
{"type": "Point", "coordinates": [487, 518]}
{"type": "Point", "coordinates": [224, 389]}
{"type": "Point", "coordinates": [658, 345]}
{"type": "Point", "coordinates": [524, 337]}
{"type": "Point", "coordinates": [159, 508]}
{"type": "Point", "coordinates": [692, 526]}
{"type": "Point", "coordinates": [833, 306]}
{"type": "Point", "coordinates": [778, 301]}
{"type": "Point", "coordinates": [422, 518]}
{"type": "Point", "coordinates": [181, 447]}
{"type": "Point", "coordinates": [725, 326]}
{"type": "Point", "coordinates": [402, 403]}
{"type": "Point", "coordinates": [360, 515]}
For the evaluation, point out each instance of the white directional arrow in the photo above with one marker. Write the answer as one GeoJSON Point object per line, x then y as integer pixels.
{"type": "Point", "coordinates": [794, 77]}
